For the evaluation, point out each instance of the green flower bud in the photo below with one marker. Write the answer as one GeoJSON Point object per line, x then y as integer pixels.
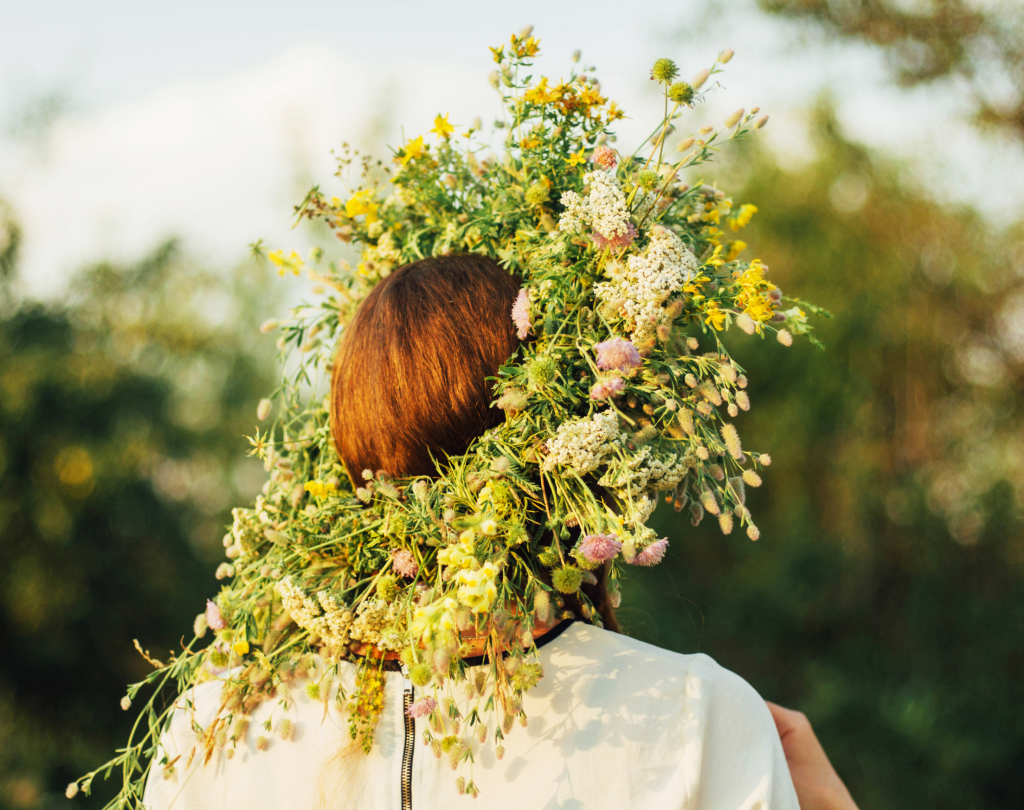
{"type": "Point", "coordinates": [548, 558]}
{"type": "Point", "coordinates": [567, 580]}
{"type": "Point", "coordinates": [537, 194]}
{"type": "Point", "coordinates": [541, 372]}
{"type": "Point", "coordinates": [387, 588]}
{"type": "Point", "coordinates": [420, 674]}
{"type": "Point", "coordinates": [680, 93]}
{"type": "Point", "coordinates": [664, 71]}
{"type": "Point", "coordinates": [647, 179]}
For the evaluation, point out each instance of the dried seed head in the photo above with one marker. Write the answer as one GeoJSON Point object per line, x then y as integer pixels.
{"type": "Point", "coordinates": [753, 532]}
{"type": "Point", "coordinates": [698, 81]}
{"type": "Point", "coordinates": [733, 410]}
{"type": "Point", "coordinates": [784, 337]}
{"type": "Point", "coordinates": [760, 122]}
{"type": "Point", "coordinates": [732, 440]}
{"type": "Point", "coordinates": [725, 523]}
{"type": "Point", "coordinates": [751, 478]}
{"type": "Point", "coordinates": [743, 400]}
{"type": "Point", "coordinates": [726, 55]}
{"type": "Point", "coordinates": [734, 119]}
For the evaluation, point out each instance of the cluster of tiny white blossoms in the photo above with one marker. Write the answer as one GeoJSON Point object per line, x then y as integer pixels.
{"type": "Point", "coordinates": [650, 278]}
{"type": "Point", "coordinates": [375, 624]}
{"type": "Point", "coordinates": [643, 472]}
{"type": "Point", "coordinates": [603, 210]}
{"type": "Point", "coordinates": [584, 444]}
{"type": "Point", "coordinates": [329, 620]}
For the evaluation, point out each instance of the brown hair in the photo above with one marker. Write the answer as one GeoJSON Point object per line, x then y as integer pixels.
{"type": "Point", "coordinates": [410, 377]}
{"type": "Point", "coordinates": [410, 382]}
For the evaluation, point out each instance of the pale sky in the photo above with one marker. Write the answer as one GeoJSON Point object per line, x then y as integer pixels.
{"type": "Point", "coordinates": [209, 119]}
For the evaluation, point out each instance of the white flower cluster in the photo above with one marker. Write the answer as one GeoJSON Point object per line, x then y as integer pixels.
{"type": "Point", "coordinates": [644, 473]}
{"type": "Point", "coordinates": [604, 209]}
{"type": "Point", "coordinates": [331, 621]}
{"type": "Point", "coordinates": [375, 624]}
{"type": "Point", "coordinates": [650, 278]}
{"type": "Point", "coordinates": [584, 443]}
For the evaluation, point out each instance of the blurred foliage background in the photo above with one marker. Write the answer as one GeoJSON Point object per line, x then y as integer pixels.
{"type": "Point", "coordinates": [885, 598]}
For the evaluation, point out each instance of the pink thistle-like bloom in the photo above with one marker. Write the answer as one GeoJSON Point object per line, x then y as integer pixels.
{"type": "Point", "coordinates": [404, 563]}
{"type": "Point", "coordinates": [617, 353]}
{"type": "Point", "coordinates": [599, 548]}
{"type": "Point", "coordinates": [214, 618]}
{"type": "Point", "coordinates": [653, 554]}
{"type": "Point", "coordinates": [607, 388]}
{"type": "Point", "coordinates": [619, 242]}
{"type": "Point", "coordinates": [422, 707]}
{"type": "Point", "coordinates": [521, 314]}
{"type": "Point", "coordinates": [604, 157]}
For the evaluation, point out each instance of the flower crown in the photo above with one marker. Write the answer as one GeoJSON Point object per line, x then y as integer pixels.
{"type": "Point", "coordinates": [623, 396]}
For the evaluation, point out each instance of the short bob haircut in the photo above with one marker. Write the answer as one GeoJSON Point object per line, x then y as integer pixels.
{"type": "Point", "coordinates": [410, 384]}
{"type": "Point", "coordinates": [412, 380]}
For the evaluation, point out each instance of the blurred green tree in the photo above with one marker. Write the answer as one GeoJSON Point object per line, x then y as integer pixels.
{"type": "Point", "coordinates": [886, 596]}
{"type": "Point", "coordinates": [974, 50]}
{"type": "Point", "coordinates": [122, 411]}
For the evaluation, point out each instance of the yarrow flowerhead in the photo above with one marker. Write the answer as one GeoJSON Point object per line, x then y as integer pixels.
{"type": "Point", "coordinates": [617, 353]}
{"type": "Point", "coordinates": [652, 554]}
{"type": "Point", "coordinates": [599, 548]}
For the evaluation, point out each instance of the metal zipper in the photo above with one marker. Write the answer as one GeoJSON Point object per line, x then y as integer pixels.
{"type": "Point", "coordinates": [410, 745]}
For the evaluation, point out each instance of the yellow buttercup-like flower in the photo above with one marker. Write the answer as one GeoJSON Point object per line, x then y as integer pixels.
{"type": "Point", "coordinates": [293, 262]}
{"type": "Point", "coordinates": [714, 316]}
{"type": "Point", "coordinates": [321, 489]}
{"type": "Point", "coordinates": [576, 158]}
{"type": "Point", "coordinates": [413, 149]}
{"type": "Point", "coordinates": [362, 202]}
{"type": "Point", "coordinates": [442, 128]}
{"type": "Point", "coordinates": [743, 217]}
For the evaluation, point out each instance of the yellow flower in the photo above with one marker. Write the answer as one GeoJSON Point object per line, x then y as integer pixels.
{"type": "Point", "coordinates": [525, 47]}
{"type": "Point", "coordinates": [441, 127]}
{"type": "Point", "coordinates": [531, 141]}
{"type": "Point", "coordinates": [413, 149]}
{"type": "Point", "coordinates": [321, 489]}
{"type": "Point", "coordinates": [714, 316]}
{"type": "Point", "coordinates": [614, 113]}
{"type": "Point", "coordinates": [284, 263]}
{"type": "Point", "coordinates": [540, 93]}
{"type": "Point", "coordinates": [716, 260]}
{"type": "Point", "coordinates": [743, 217]}
{"type": "Point", "coordinates": [362, 202]}
{"type": "Point", "coordinates": [488, 527]}
{"type": "Point", "coordinates": [240, 647]}
{"type": "Point", "coordinates": [576, 159]}
{"type": "Point", "coordinates": [499, 53]}
{"type": "Point", "coordinates": [477, 589]}
{"type": "Point", "coordinates": [736, 247]}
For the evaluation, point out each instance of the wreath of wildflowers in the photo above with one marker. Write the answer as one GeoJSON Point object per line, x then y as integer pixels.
{"type": "Point", "coordinates": [620, 394]}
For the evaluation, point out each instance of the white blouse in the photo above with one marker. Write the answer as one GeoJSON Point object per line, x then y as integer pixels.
{"type": "Point", "coordinates": [614, 723]}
